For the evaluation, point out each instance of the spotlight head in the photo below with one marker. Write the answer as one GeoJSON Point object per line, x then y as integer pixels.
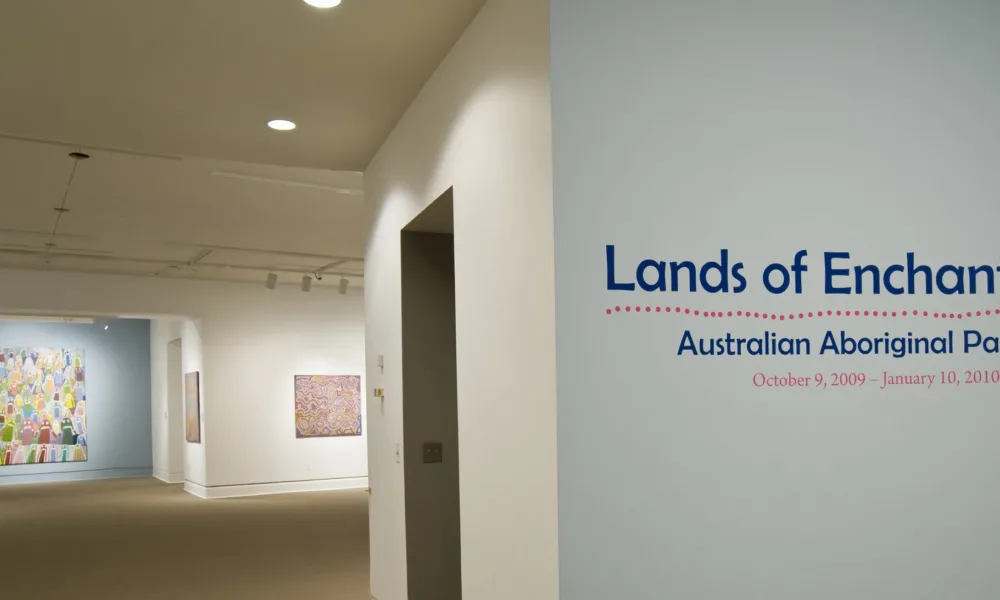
{"type": "Point", "coordinates": [306, 283]}
{"type": "Point", "coordinates": [272, 280]}
{"type": "Point", "coordinates": [342, 286]}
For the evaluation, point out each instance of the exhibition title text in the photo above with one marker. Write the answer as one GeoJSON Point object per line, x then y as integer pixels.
{"type": "Point", "coordinates": [839, 276]}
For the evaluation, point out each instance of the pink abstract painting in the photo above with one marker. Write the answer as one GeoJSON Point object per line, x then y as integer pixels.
{"type": "Point", "coordinates": [327, 405]}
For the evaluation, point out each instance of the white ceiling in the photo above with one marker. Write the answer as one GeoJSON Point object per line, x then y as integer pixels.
{"type": "Point", "coordinates": [145, 86]}
{"type": "Point", "coordinates": [152, 216]}
{"type": "Point", "coordinates": [202, 77]}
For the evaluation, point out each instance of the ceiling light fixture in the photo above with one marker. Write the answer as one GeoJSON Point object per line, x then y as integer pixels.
{"type": "Point", "coordinates": [306, 283]}
{"type": "Point", "coordinates": [272, 280]}
{"type": "Point", "coordinates": [323, 3]}
{"type": "Point", "coordinates": [342, 285]}
{"type": "Point", "coordinates": [281, 125]}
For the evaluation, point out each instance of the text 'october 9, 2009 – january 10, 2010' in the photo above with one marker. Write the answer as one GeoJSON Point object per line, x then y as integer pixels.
{"type": "Point", "coordinates": [840, 279]}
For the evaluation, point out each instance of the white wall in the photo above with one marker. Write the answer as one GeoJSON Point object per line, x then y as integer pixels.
{"type": "Point", "coordinates": [481, 124]}
{"type": "Point", "coordinates": [174, 415]}
{"type": "Point", "coordinates": [252, 352]}
{"type": "Point", "coordinates": [174, 459]}
{"type": "Point", "coordinates": [684, 127]}
{"type": "Point", "coordinates": [166, 465]}
{"type": "Point", "coordinates": [248, 343]}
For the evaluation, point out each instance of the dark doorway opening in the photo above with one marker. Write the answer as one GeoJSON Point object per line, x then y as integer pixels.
{"type": "Point", "coordinates": [430, 404]}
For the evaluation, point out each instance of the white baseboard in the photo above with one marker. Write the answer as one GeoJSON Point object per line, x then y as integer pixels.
{"type": "Point", "coordinates": [170, 477]}
{"type": "Point", "coordinates": [266, 489]}
{"type": "Point", "coordinates": [73, 474]}
{"type": "Point", "coordinates": [196, 490]}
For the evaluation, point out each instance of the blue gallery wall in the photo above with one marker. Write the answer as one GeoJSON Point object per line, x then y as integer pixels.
{"type": "Point", "coordinates": [118, 397]}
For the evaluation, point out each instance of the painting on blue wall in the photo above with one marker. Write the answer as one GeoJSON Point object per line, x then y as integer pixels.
{"type": "Point", "coordinates": [43, 406]}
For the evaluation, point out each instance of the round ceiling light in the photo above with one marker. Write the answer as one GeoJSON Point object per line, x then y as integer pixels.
{"type": "Point", "coordinates": [323, 3]}
{"type": "Point", "coordinates": [281, 125]}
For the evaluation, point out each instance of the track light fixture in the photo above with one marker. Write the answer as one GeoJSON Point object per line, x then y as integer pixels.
{"type": "Point", "coordinates": [306, 283]}
{"type": "Point", "coordinates": [342, 285]}
{"type": "Point", "coordinates": [272, 280]}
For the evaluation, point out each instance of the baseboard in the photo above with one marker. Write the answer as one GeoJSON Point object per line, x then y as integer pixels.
{"type": "Point", "coordinates": [78, 475]}
{"type": "Point", "coordinates": [169, 477]}
{"type": "Point", "coordinates": [267, 489]}
{"type": "Point", "coordinates": [196, 490]}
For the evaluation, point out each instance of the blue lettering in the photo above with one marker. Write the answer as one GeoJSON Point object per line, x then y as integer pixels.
{"type": "Point", "coordinates": [780, 288]}
{"type": "Point", "coordinates": [661, 271]}
{"type": "Point", "coordinates": [887, 279]}
{"type": "Point", "coordinates": [973, 339]}
{"type": "Point", "coordinates": [911, 275]}
{"type": "Point", "coordinates": [687, 345]}
{"type": "Point", "coordinates": [958, 272]}
{"type": "Point", "coordinates": [741, 281]}
{"type": "Point", "coordinates": [723, 268]}
{"type": "Point", "coordinates": [612, 284]}
{"type": "Point", "coordinates": [828, 258]}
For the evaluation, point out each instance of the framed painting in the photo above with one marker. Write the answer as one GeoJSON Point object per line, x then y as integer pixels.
{"type": "Point", "coordinates": [192, 407]}
{"type": "Point", "coordinates": [327, 405]}
{"type": "Point", "coordinates": [43, 406]}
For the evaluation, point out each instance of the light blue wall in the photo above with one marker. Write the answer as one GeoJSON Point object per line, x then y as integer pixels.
{"type": "Point", "coordinates": [118, 397]}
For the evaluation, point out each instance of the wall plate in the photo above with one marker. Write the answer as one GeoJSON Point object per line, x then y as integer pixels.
{"type": "Point", "coordinates": [433, 452]}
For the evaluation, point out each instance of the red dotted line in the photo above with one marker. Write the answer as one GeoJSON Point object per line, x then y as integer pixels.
{"type": "Point", "coordinates": [746, 314]}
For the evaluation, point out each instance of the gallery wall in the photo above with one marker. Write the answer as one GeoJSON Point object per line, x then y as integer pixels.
{"type": "Point", "coordinates": [684, 130]}
{"type": "Point", "coordinates": [248, 343]}
{"type": "Point", "coordinates": [117, 378]}
{"type": "Point", "coordinates": [481, 124]}
{"type": "Point", "coordinates": [252, 353]}
{"type": "Point", "coordinates": [174, 460]}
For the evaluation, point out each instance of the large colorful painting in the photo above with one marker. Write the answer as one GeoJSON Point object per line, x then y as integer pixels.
{"type": "Point", "coordinates": [327, 405]}
{"type": "Point", "coordinates": [192, 407]}
{"type": "Point", "coordinates": [43, 406]}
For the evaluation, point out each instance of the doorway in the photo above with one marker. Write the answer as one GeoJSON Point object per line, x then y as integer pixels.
{"type": "Point", "coordinates": [430, 405]}
{"type": "Point", "coordinates": [175, 411]}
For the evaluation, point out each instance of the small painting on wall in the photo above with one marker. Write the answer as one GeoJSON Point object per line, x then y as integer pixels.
{"type": "Point", "coordinates": [327, 405]}
{"type": "Point", "coordinates": [192, 407]}
{"type": "Point", "coordinates": [43, 406]}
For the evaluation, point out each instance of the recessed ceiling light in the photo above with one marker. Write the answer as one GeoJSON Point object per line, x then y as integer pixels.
{"type": "Point", "coordinates": [281, 125]}
{"type": "Point", "coordinates": [323, 3]}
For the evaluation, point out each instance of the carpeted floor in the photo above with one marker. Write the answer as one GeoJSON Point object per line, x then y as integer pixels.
{"type": "Point", "coordinates": [145, 540]}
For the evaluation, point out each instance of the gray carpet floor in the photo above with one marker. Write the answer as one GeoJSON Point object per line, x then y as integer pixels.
{"type": "Point", "coordinates": [142, 539]}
